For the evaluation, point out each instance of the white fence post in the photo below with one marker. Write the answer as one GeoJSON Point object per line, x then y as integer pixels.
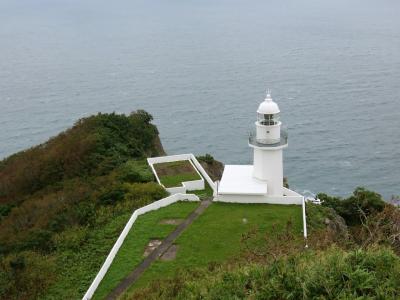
{"type": "Point", "coordinates": [304, 222]}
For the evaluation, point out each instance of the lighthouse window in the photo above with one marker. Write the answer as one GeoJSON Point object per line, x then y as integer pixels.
{"type": "Point", "coordinates": [268, 119]}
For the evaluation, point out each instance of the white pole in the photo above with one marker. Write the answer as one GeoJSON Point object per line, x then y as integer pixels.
{"type": "Point", "coordinates": [304, 222]}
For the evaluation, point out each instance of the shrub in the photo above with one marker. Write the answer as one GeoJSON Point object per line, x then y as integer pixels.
{"type": "Point", "coordinates": [94, 146]}
{"type": "Point", "coordinates": [381, 228]}
{"type": "Point", "coordinates": [85, 213]}
{"type": "Point", "coordinates": [18, 283]}
{"type": "Point", "coordinates": [352, 209]}
{"type": "Point", "coordinates": [331, 274]}
{"type": "Point", "coordinates": [135, 171]}
{"type": "Point", "coordinates": [71, 239]}
{"type": "Point", "coordinates": [111, 195]}
{"type": "Point", "coordinates": [147, 192]}
{"type": "Point", "coordinates": [56, 198]}
{"type": "Point", "coordinates": [40, 240]}
{"type": "Point", "coordinates": [208, 158]}
{"type": "Point", "coordinates": [5, 209]}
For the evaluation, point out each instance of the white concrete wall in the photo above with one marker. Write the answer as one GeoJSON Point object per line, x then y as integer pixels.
{"type": "Point", "coordinates": [188, 185]}
{"type": "Point", "coordinates": [194, 185]}
{"type": "Point", "coordinates": [185, 186]}
{"type": "Point", "coordinates": [268, 166]}
{"type": "Point", "coordinates": [176, 190]}
{"type": "Point", "coordinates": [290, 197]}
{"type": "Point", "coordinates": [153, 206]}
{"type": "Point", "coordinates": [288, 192]}
{"type": "Point", "coordinates": [203, 172]}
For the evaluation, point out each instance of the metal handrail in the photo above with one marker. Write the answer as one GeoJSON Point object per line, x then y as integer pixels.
{"type": "Point", "coordinates": [269, 142]}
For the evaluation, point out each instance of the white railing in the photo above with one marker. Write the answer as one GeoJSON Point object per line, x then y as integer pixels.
{"type": "Point", "coordinates": [140, 211]}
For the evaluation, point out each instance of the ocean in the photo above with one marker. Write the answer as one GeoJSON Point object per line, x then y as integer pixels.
{"type": "Point", "coordinates": [201, 69]}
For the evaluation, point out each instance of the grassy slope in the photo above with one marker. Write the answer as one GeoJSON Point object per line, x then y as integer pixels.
{"type": "Point", "coordinates": [335, 273]}
{"type": "Point", "coordinates": [131, 253]}
{"type": "Point", "coordinates": [76, 269]}
{"type": "Point", "coordinates": [64, 203]}
{"type": "Point", "coordinates": [216, 235]}
{"type": "Point", "coordinates": [180, 168]}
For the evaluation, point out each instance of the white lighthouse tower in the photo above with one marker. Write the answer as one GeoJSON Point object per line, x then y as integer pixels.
{"type": "Point", "coordinates": [261, 182]}
{"type": "Point", "coordinates": [268, 143]}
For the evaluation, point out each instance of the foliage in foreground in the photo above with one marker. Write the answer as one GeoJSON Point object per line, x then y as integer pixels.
{"type": "Point", "coordinates": [329, 274]}
{"type": "Point", "coordinates": [352, 258]}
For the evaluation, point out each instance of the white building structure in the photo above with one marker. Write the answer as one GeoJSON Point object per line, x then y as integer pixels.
{"type": "Point", "coordinates": [261, 182]}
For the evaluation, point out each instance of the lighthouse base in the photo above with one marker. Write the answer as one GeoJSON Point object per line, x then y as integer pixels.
{"type": "Point", "coordinates": [238, 185]}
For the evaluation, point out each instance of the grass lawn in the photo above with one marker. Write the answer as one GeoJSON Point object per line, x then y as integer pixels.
{"type": "Point", "coordinates": [203, 194]}
{"type": "Point", "coordinates": [172, 174]}
{"type": "Point", "coordinates": [215, 236]}
{"type": "Point", "coordinates": [145, 228]}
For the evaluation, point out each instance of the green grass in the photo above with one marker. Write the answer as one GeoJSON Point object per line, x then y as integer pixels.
{"type": "Point", "coordinates": [130, 254]}
{"type": "Point", "coordinates": [176, 180]}
{"type": "Point", "coordinates": [77, 268]}
{"type": "Point", "coordinates": [203, 194]}
{"type": "Point", "coordinates": [216, 236]}
{"type": "Point", "coordinates": [172, 174]}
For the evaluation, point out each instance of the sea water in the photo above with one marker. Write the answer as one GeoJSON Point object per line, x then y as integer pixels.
{"type": "Point", "coordinates": [201, 69]}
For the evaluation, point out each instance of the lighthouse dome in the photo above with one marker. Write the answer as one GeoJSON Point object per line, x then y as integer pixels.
{"type": "Point", "coordinates": [268, 106]}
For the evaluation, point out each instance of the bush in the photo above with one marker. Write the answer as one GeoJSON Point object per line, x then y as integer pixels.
{"type": "Point", "coordinates": [39, 240]}
{"type": "Point", "coordinates": [71, 239]}
{"type": "Point", "coordinates": [5, 209]}
{"type": "Point", "coordinates": [94, 146]}
{"type": "Point", "coordinates": [145, 193]}
{"type": "Point", "coordinates": [58, 197]}
{"type": "Point", "coordinates": [85, 213]}
{"type": "Point", "coordinates": [111, 195]}
{"type": "Point", "coordinates": [18, 283]}
{"type": "Point", "coordinates": [135, 171]}
{"type": "Point", "coordinates": [208, 158]}
{"type": "Point", "coordinates": [332, 274]}
{"type": "Point", "coordinates": [362, 203]}
{"type": "Point", "coordinates": [381, 228]}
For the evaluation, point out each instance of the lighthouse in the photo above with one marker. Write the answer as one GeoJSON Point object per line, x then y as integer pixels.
{"type": "Point", "coordinates": [261, 182]}
{"type": "Point", "coordinates": [268, 143]}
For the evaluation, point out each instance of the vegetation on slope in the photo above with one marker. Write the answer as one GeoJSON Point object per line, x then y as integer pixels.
{"type": "Point", "coordinates": [217, 236]}
{"type": "Point", "coordinates": [64, 203]}
{"type": "Point", "coordinates": [213, 167]}
{"type": "Point", "coordinates": [147, 227]}
{"type": "Point", "coordinates": [331, 274]}
{"type": "Point", "coordinates": [353, 253]}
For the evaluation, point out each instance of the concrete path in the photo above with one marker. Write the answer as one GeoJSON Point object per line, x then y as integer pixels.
{"type": "Point", "coordinates": [160, 250]}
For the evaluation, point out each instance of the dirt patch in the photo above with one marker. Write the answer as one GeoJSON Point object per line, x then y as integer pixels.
{"type": "Point", "coordinates": [171, 221]}
{"type": "Point", "coordinates": [214, 169]}
{"type": "Point", "coordinates": [170, 254]}
{"type": "Point", "coordinates": [174, 168]}
{"type": "Point", "coordinates": [151, 246]}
